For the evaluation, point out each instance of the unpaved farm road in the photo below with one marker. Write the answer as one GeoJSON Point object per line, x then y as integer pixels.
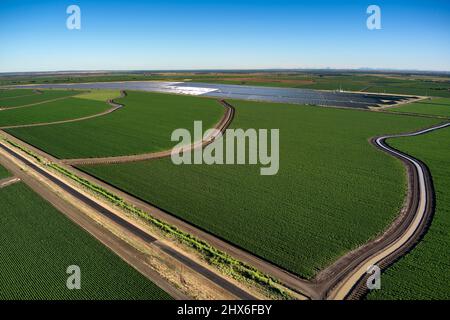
{"type": "Point", "coordinates": [403, 239]}
{"type": "Point", "coordinates": [188, 262]}
{"type": "Point", "coordinates": [8, 181]}
{"type": "Point", "coordinates": [220, 127]}
{"type": "Point", "coordinates": [343, 279]}
{"type": "Point", "coordinates": [114, 106]}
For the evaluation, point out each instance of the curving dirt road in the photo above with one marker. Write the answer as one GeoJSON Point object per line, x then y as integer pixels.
{"type": "Point", "coordinates": [345, 278]}
{"type": "Point", "coordinates": [8, 181]}
{"type": "Point", "coordinates": [406, 233]}
{"type": "Point", "coordinates": [105, 211]}
{"type": "Point", "coordinates": [115, 106]}
{"type": "Point", "coordinates": [221, 126]}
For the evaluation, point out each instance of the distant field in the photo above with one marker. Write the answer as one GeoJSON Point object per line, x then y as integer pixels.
{"type": "Point", "coordinates": [436, 106]}
{"type": "Point", "coordinates": [35, 98]}
{"type": "Point", "coordinates": [3, 173]}
{"type": "Point", "coordinates": [424, 273]}
{"type": "Point", "coordinates": [70, 108]}
{"type": "Point", "coordinates": [349, 83]}
{"type": "Point", "coordinates": [99, 95]}
{"type": "Point", "coordinates": [426, 85]}
{"type": "Point", "coordinates": [145, 124]}
{"type": "Point", "coordinates": [334, 191]}
{"type": "Point", "coordinates": [39, 243]}
{"type": "Point", "coordinates": [12, 93]}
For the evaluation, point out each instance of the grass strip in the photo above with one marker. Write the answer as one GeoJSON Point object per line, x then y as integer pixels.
{"type": "Point", "coordinates": [225, 263]}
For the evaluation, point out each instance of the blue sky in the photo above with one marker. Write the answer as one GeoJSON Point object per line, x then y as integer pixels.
{"type": "Point", "coordinates": [245, 34]}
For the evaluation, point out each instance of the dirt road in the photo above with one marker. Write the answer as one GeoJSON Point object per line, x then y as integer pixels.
{"type": "Point", "coordinates": [131, 257]}
{"type": "Point", "coordinates": [343, 279]}
{"type": "Point", "coordinates": [114, 106]}
{"type": "Point", "coordinates": [404, 234]}
{"type": "Point", "coordinates": [8, 181]}
{"type": "Point", "coordinates": [221, 126]}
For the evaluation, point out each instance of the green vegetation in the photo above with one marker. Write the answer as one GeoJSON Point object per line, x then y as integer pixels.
{"type": "Point", "coordinates": [400, 83]}
{"type": "Point", "coordinates": [13, 93]}
{"type": "Point", "coordinates": [145, 124]}
{"type": "Point", "coordinates": [46, 95]}
{"type": "Point", "coordinates": [39, 243]}
{"type": "Point", "coordinates": [70, 108]}
{"type": "Point", "coordinates": [424, 272]}
{"type": "Point", "coordinates": [221, 260]}
{"type": "Point", "coordinates": [333, 192]}
{"type": "Point", "coordinates": [435, 106]}
{"type": "Point", "coordinates": [100, 95]}
{"type": "Point", "coordinates": [4, 173]}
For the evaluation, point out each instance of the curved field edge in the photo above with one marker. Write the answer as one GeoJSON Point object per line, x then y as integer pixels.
{"type": "Point", "coordinates": [222, 261]}
{"type": "Point", "coordinates": [434, 106]}
{"type": "Point", "coordinates": [39, 243]}
{"type": "Point", "coordinates": [62, 110]}
{"type": "Point", "coordinates": [424, 272]}
{"type": "Point", "coordinates": [333, 193]}
{"type": "Point", "coordinates": [99, 95]}
{"type": "Point", "coordinates": [143, 125]}
{"type": "Point", "coordinates": [37, 99]}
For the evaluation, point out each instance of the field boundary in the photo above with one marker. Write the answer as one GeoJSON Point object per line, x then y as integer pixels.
{"type": "Point", "coordinates": [407, 229]}
{"type": "Point", "coordinates": [317, 288]}
{"type": "Point", "coordinates": [114, 107]}
{"type": "Point", "coordinates": [8, 181]}
{"type": "Point", "coordinates": [221, 126]}
{"type": "Point", "coordinates": [222, 262]}
{"type": "Point", "coordinates": [35, 104]}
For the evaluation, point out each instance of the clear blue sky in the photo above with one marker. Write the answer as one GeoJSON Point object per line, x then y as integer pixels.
{"type": "Point", "coordinates": [226, 34]}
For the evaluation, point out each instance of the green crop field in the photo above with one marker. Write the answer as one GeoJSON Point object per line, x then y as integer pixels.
{"type": "Point", "coordinates": [35, 98]}
{"type": "Point", "coordinates": [100, 95]}
{"type": "Point", "coordinates": [435, 106]}
{"type": "Point", "coordinates": [13, 93]}
{"type": "Point", "coordinates": [419, 84]}
{"type": "Point", "coordinates": [145, 124]}
{"type": "Point", "coordinates": [3, 173]}
{"type": "Point", "coordinates": [424, 272]}
{"type": "Point", "coordinates": [70, 108]}
{"type": "Point", "coordinates": [39, 243]}
{"type": "Point", "coordinates": [333, 192]}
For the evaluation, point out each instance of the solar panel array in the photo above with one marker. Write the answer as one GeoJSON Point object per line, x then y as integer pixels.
{"type": "Point", "coordinates": [241, 92]}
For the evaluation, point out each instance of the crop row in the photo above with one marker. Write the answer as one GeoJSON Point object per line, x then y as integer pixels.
{"type": "Point", "coordinates": [226, 263]}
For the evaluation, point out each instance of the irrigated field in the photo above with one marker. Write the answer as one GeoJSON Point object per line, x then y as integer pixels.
{"type": "Point", "coordinates": [70, 108]}
{"type": "Point", "coordinates": [145, 124]}
{"type": "Point", "coordinates": [436, 106]}
{"type": "Point", "coordinates": [414, 84]}
{"type": "Point", "coordinates": [13, 93]}
{"type": "Point", "coordinates": [35, 98]}
{"type": "Point", "coordinates": [3, 173]}
{"type": "Point", "coordinates": [100, 95]}
{"type": "Point", "coordinates": [37, 245]}
{"type": "Point", "coordinates": [333, 192]}
{"type": "Point", "coordinates": [424, 273]}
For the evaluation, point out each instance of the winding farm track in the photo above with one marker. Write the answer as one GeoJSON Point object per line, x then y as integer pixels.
{"type": "Point", "coordinates": [114, 106]}
{"type": "Point", "coordinates": [220, 127]}
{"type": "Point", "coordinates": [345, 278]}
{"type": "Point", "coordinates": [133, 257]}
{"type": "Point", "coordinates": [406, 231]}
{"type": "Point", "coordinates": [8, 181]}
{"type": "Point", "coordinates": [36, 103]}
